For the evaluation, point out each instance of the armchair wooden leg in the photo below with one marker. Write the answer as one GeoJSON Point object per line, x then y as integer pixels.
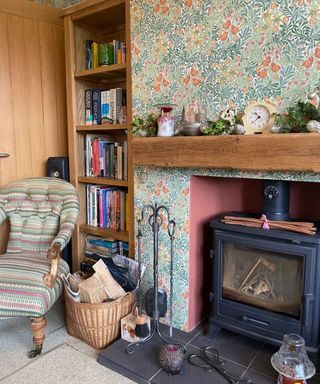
{"type": "Point", "coordinates": [37, 326]}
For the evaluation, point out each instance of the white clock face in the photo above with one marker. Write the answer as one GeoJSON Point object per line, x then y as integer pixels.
{"type": "Point", "coordinates": [259, 117]}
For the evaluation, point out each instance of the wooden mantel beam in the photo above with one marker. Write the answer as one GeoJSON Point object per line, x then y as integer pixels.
{"type": "Point", "coordinates": [265, 152]}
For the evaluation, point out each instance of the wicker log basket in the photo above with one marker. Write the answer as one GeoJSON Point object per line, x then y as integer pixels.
{"type": "Point", "coordinates": [97, 324]}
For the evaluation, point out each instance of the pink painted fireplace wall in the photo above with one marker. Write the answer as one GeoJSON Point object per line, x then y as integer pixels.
{"type": "Point", "coordinates": [211, 196]}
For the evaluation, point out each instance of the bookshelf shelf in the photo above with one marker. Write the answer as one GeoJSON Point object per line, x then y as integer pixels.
{"type": "Point", "coordinates": [103, 181]}
{"type": "Point", "coordinates": [114, 73]}
{"type": "Point", "coordinates": [88, 92]}
{"type": "Point", "coordinates": [102, 127]}
{"type": "Point", "coordinates": [108, 233]}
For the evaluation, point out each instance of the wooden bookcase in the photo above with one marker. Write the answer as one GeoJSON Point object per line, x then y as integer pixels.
{"type": "Point", "coordinates": [102, 21]}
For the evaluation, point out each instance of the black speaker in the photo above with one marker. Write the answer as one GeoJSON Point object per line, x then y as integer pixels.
{"type": "Point", "coordinates": [59, 167]}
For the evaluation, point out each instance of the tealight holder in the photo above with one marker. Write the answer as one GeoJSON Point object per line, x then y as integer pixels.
{"type": "Point", "coordinates": [292, 361]}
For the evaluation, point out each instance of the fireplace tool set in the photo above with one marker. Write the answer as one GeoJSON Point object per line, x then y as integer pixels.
{"type": "Point", "coordinates": [155, 216]}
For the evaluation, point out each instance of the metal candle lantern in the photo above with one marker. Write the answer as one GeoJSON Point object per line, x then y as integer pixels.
{"type": "Point", "coordinates": [156, 221]}
{"type": "Point", "coordinates": [292, 362]}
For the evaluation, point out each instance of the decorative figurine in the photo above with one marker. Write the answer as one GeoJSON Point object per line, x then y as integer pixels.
{"type": "Point", "coordinates": [313, 126]}
{"type": "Point", "coordinates": [275, 129]}
{"type": "Point", "coordinates": [192, 118]}
{"type": "Point", "coordinates": [239, 129]}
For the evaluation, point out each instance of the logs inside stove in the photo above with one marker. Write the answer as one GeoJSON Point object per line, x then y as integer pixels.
{"type": "Point", "coordinates": [266, 283]}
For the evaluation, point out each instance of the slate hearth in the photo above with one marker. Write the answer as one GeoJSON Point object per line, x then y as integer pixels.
{"type": "Point", "coordinates": [244, 357]}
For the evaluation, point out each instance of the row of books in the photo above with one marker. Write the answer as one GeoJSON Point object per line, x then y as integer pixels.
{"type": "Point", "coordinates": [98, 54]}
{"type": "Point", "coordinates": [104, 247]}
{"type": "Point", "coordinates": [105, 158]}
{"type": "Point", "coordinates": [107, 207]}
{"type": "Point", "coordinates": [105, 106]}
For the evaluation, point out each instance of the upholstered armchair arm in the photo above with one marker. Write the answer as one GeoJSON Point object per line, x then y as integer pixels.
{"type": "Point", "coordinates": [53, 254]}
{"type": "Point", "coordinates": [68, 220]}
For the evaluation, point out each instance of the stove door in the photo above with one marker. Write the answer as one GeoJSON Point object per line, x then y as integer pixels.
{"type": "Point", "coordinates": [266, 284]}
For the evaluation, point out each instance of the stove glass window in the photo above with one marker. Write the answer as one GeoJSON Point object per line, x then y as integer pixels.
{"type": "Point", "coordinates": [265, 279]}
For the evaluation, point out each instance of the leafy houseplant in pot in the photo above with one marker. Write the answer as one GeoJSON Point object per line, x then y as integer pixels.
{"type": "Point", "coordinates": [144, 127]}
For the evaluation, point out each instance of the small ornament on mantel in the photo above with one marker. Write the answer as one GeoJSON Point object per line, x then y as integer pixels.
{"type": "Point", "coordinates": [275, 129]}
{"type": "Point", "coordinates": [313, 126]}
{"type": "Point", "coordinates": [239, 129]}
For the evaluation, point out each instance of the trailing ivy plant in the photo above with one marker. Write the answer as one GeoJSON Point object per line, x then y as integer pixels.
{"type": "Point", "coordinates": [297, 117]}
{"type": "Point", "coordinates": [220, 126]}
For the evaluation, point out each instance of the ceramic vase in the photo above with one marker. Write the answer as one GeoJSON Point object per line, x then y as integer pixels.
{"type": "Point", "coordinates": [166, 125]}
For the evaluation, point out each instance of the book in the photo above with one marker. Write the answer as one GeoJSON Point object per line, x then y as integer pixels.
{"type": "Point", "coordinates": [112, 102]}
{"type": "Point", "coordinates": [111, 53]}
{"type": "Point", "coordinates": [105, 112]}
{"type": "Point", "coordinates": [94, 53]}
{"type": "Point", "coordinates": [127, 212]}
{"type": "Point", "coordinates": [88, 107]}
{"type": "Point", "coordinates": [116, 210]}
{"type": "Point", "coordinates": [89, 64]}
{"type": "Point", "coordinates": [123, 55]}
{"type": "Point", "coordinates": [92, 153]}
{"type": "Point", "coordinates": [125, 160]}
{"type": "Point", "coordinates": [100, 241]}
{"type": "Point", "coordinates": [122, 210]}
{"type": "Point", "coordinates": [118, 104]}
{"type": "Point", "coordinates": [118, 171]}
{"type": "Point", "coordinates": [96, 106]}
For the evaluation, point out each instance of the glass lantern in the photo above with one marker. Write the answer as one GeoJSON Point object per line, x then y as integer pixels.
{"type": "Point", "coordinates": [292, 361]}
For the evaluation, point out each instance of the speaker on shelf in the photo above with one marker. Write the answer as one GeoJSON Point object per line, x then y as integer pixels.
{"type": "Point", "coordinates": [59, 167]}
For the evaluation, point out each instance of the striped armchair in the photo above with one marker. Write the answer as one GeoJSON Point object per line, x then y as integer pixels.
{"type": "Point", "coordinates": [42, 214]}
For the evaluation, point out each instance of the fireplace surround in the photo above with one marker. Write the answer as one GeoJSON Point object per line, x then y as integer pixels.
{"type": "Point", "coordinates": [265, 283]}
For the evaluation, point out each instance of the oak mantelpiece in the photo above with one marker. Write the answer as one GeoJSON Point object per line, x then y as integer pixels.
{"type": "Point", "coordinates": [268, 152]}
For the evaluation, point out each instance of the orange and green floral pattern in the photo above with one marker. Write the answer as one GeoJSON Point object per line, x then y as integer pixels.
{"type": "Point", "coordinates": [224, 52]}
{"type": "Point", "coordinates": [221, 53]}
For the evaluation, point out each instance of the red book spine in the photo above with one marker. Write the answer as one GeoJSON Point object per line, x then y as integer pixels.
{"type": "Point", "coordinates": [96, 160]}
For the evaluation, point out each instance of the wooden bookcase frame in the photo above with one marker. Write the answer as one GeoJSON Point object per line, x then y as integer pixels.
{"type": "Point", "coordinates": [101, 20]}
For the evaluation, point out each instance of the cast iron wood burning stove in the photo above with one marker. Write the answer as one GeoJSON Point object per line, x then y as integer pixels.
{"type": "Point", "coordinates": [266, 283]}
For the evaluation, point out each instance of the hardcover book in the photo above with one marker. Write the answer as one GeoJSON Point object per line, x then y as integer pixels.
{"type": "Point", "coordinates": [88, 107]}
{"type": "Point", "coordinates": [96, 106]}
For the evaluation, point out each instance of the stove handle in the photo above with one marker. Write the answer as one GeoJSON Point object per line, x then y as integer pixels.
{"type": "Point", "coordinates": [254, 321]}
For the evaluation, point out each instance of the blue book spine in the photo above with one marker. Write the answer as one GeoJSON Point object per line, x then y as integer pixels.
{"type": "Point", "coordinates": [104, 107]}
{"type": "Point", "coordinates": [104, 207]}
{"type": "Point", "coordinates": [96, 106]}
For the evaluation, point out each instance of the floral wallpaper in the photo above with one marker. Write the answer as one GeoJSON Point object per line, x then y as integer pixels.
{"type": "Point", "coordinates": [224, 52]}
{"type": "Point", "coordinates": [221, 53]}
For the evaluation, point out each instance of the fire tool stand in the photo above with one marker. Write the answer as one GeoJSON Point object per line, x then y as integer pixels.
{"type": "Point", "coordinates": [155, 221]}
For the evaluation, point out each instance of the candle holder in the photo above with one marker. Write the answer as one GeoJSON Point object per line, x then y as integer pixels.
{"type": "Point", "coordinates": [292, 361]}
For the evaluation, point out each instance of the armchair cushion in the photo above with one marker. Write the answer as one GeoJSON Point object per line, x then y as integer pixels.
{"type": "Point", "coordinates": [22, 291]}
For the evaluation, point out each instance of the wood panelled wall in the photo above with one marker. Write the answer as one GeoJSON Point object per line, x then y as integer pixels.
{"type": "Point", "coordinates": [33, 124]}
{"type": "Point", "coordinates": [32, 82]}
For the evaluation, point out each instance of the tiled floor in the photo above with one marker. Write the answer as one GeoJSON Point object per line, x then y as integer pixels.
{"type": "Point", "coordinates": [244, 357]}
